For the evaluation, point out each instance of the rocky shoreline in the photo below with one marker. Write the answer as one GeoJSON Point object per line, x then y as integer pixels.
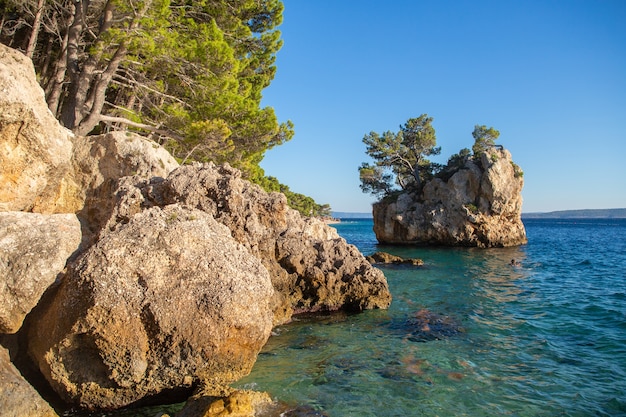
{"type": "Point", "coordinates": [128, 277]}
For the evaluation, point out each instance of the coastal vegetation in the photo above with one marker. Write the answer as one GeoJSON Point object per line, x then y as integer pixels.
{"type": "Point", "coordinates": [400, 159]}
{"type": "Point", "coordinates": [189, 74]}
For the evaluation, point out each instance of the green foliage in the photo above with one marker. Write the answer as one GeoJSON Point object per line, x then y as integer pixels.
{"type": "Point", "coordinates": [304, 204]}
{"type": "Point", "coordinates": [455, 162]}
{"type": "Point", "coordinates": [375, 180]}
{"type": "Point", "coordinates": [484, 138]}
{"type": "Point", "coordinates": [399, 157]}
{"type": "Point", "coordinates": [191, 72]}
{"type": "Point", "coordinates": [517, 170]}
{"type": "Point", "coordinates": [472, 208]}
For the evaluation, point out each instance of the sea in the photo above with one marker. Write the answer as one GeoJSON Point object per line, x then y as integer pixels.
{"type": "Point", "coordinates": [545, 337]}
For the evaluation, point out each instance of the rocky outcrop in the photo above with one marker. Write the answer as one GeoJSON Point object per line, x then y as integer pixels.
{"type": "Point", "coordinates": [228, 402]}
{"type": "Point", "coordinates": [157, 304]}
{"type": "Point", "coordinates": [312, 268]}
{"type": "Point", "coordinates": [181, 273]}
{"type": "Point", "coordinates": [35, 151]}
{"type": "Point", "coordinates": [33, 251]}
{"type": "Point", "coordinates": [479, 205]}
{"type": "Point", "coordinates": [17, 397]}
{"type": "Point", "coordinates": [98, 162]}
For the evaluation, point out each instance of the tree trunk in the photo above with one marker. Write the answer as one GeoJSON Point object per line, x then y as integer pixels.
{"type": "Point", "coordinates": [68, 115]}
{"type": "Point", "coordinates": [98, 92]}
{"type": "Point", "coordinates": [32, 42]}
{"type": "Point", "coordinates": [55, 83]}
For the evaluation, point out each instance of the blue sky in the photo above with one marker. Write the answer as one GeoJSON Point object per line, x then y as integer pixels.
{"type": "Point", "coordinates": [549, 75]}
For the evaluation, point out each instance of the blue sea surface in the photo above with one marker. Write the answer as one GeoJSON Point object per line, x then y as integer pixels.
{"type": "Point", "coordinates": [546, 338]}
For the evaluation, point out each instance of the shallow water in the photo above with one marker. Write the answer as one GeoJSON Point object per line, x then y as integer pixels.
{"type": "Point", "coordinates": [547, 338]}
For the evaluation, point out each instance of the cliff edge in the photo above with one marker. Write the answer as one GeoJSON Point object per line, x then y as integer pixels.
{"type": "Point", "coordinates": [479, 205]}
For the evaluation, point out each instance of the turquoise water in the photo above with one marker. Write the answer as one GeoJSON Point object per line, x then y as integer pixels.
{"type": "Point", "coordinates": [547, 338]}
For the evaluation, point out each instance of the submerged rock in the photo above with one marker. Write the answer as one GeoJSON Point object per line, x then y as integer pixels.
{"type": "Point", "coordinates": [479, 205]}
{"type": "Point", "coordinates": [425, 326]}
{"type": "Point", "coordinates": [158, 304]}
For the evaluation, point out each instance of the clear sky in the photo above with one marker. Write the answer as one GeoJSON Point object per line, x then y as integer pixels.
{"type": "Point", "coordinates": [550, 75]}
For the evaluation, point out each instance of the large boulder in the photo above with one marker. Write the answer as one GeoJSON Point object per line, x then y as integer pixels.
{"type": "Point", "coordinates": [98, 162]}
{"type": "Point", "coordinates": [17, 397]}
{"type": "Point", "coordinates": [479, 205]}
{"type": "Point", "coordinates": [44, 168]}
{"type": "Point", "coordinates": [312, 268]}
{"type": "Point", "coordinates": [157, 304]}
{"type": "Point", "coordinates": [33, 251]}
{"type": "Point", "coordinates": [35, 151]}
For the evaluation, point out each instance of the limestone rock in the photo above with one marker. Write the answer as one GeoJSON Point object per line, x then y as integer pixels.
{"type": "Point", "coordinates": [35, 151]}
{"type": "Point", "coordinates": [479, 205]}
{"type": "Point", "coordinates": [312, 268]}
{"type": "Point", "coordinates": [159, 303]}
{"type": "Point", "coordinates": [33, 251]}
{"type": "Point", "coordinates": [17, 397]}
{"type": "Point", "coordinates": [98, 163]}
{"type": "Point", "coordinates": [227, 402]}
{"type": "Point", "coordinates": [45, 168]}
{"type": "Point", "coordinates": [387, 258]}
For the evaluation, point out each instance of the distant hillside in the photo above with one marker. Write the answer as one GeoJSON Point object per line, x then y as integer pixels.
{"type": "Point", "coordinates": [350, 215]}
{"type": "Point", "coordinates": [619, 213]}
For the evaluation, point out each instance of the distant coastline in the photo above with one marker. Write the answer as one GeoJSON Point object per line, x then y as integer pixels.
{"type": "Point", "coordinates": [351, 215]}
{"type": "Point", "coordinates": [618, 213]}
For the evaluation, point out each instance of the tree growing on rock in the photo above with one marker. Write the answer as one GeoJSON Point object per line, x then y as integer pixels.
{"type": "Point", "coordinates": [400, 159]}
{"type": "Point", "coordinates": [484, 138]}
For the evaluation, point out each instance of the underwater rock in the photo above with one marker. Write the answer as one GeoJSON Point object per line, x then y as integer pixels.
{"type": "Point", "coordinates": [426, 326]}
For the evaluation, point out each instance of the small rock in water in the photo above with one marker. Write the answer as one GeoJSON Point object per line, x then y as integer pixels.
{"type": "Point", "coordinates": [387, 258]}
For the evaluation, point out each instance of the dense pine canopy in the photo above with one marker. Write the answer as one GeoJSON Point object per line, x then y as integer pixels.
{"type": "Point", "coordinates": [189, 73]}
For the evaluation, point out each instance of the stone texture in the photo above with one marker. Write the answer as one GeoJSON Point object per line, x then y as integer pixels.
{"type": "Point", "coordinates": [387, 258]}
{"type": "Point", "coordinates": [35, 151]}
{"type": "Point", "coordinates": [44, 168]}
{"type": "Point", "coordinates": [479, 205]}
{"type": "Point", "coordinates": [33, 251]}
{"type": "Point", "coordinates": [98, 162]}
{"type": "Point", "coordinates": [17, 397]}
{"type": "Point", "coordinates": [227, 402]}
{"type": "Point", "coordinates": [159, 303]}
{"type": "Point", "coordinates": [312, 268]}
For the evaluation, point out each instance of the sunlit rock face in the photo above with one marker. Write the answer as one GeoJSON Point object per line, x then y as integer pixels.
{"type": "Point", "coordinates": [480, 205]}
{"type": "Point", "coordinates": [132, 278]}
{"type": "Point", "coordinates": [35, 151]}
{"type": "Point", "coordinates": [33, 250]}
{"type": "Point", "coordinates": [311, 267]}
{"type": "Point", "coordinates": [159, 303]}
